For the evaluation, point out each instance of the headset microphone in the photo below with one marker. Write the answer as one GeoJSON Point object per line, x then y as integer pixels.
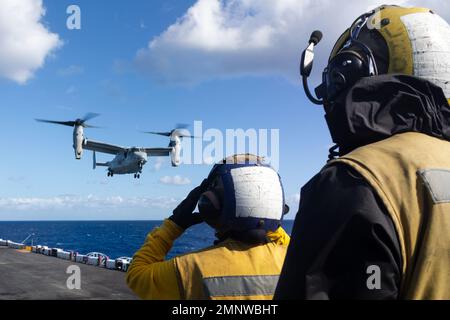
{"type": "Point", "coordinates": [306, 64]}
{"type": "Point", "coordinates": [315, 38]}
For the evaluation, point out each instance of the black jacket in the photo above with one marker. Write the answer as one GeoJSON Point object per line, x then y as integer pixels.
{"type": "Point", "coordinates": [342, 227]}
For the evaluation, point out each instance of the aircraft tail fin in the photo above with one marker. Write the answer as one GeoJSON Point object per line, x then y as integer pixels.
{"type": "Point", "coordinates": [95, 163]}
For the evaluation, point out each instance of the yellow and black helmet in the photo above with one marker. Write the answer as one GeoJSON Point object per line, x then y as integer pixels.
{"type": "Point", "coordinates": [390, 40]}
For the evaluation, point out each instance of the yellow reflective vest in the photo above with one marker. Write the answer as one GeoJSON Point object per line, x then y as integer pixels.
{"type": "Point", "coordinates": [230, 270]}
{"type": "Point", "coordinates": [410, 172]}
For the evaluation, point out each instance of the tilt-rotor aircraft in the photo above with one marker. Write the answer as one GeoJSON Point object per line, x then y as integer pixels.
{"type": "Point", "coordinates": [127, 160]}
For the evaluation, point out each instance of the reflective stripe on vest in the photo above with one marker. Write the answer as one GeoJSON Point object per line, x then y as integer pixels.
{"type": "Point", "coordinates": [231, 270]}
{"type": "Point", "coordinates": [437, 182]}
{"type": "Point", "coordinates": [240, 285]}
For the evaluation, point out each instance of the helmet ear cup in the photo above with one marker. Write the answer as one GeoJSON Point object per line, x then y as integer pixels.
{"type": "Point", "coordinates": [343, 71]}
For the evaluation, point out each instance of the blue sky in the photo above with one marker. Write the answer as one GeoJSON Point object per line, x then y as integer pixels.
{"type": "Point", "coordinates": [95, 69]}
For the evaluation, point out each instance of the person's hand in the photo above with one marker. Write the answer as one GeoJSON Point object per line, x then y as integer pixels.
{"type": "Point", "coordinates": [183, 215]}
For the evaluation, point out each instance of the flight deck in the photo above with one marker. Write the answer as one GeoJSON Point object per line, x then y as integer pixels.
{"type": "Point", "coordinates": [25, 275]}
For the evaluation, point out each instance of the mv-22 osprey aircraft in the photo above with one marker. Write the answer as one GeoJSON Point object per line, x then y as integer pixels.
{"type": "Point", "coordinates": [127, 160]}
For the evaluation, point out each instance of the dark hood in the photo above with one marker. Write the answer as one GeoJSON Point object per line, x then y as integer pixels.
{"type": "Point", "coordinates": [376, 108]}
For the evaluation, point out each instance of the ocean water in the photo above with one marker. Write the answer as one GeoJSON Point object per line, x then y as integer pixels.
{"type": "Point", "coordinates": [113, 238]}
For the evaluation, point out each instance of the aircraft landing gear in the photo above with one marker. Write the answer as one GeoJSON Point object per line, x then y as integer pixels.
{"type": "Point", "coordinates": [110, 174]}
{"type": "Point", "coordinates": [137, 175]}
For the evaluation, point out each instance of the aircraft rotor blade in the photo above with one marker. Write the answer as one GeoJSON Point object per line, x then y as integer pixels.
{"type": "Point", "coordinates": [89, 116]}
{"type": "Point", "coordinates": [188, 136]}
{"type": "Point", "coordinates": [90, 126]}
{"type": "Point", "coordinates": [64, 123]}
{"type": "Point", "coordinates": [166, 134]}
{"type": "Point", "coordinates": [180, 130]}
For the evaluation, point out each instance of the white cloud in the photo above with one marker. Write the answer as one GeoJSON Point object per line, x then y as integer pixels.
{"type": "Point", "coordinates": [176, 180]}
{"type": "Point", "coordinates": [226, 38]}
{"type": "Point", "coordinates": [25, 41]}
{"type": "Point", "coordinates": [65, 202]}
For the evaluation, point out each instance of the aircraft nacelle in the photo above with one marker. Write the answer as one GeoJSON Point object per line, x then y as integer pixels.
{"type": "Point", "coordinates": [78, 138]}
{"type": "Point", "coordinates": [175, 155]}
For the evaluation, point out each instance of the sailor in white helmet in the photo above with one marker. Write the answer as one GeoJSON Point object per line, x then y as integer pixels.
{"type": "Point", "coordinates": [243, 200]}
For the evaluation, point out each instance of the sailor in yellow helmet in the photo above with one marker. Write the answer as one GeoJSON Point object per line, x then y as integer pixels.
{"type": "Point", "coordinates": [243, 200]}
{"type": "Point", "coordinates": [374, 223]}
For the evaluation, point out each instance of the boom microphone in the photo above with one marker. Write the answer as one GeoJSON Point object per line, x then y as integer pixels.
{"type": "Point", "coordinates": [315, 38]}
{"type": "Point", "coordinates": [306, 64]}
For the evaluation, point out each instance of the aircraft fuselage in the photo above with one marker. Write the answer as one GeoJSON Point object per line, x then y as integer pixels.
{"type": "Point", "coordinates": [128, 162]}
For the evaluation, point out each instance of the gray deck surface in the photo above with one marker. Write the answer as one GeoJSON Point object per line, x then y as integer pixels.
{"type": "Point", "coordinates": [27, 275]}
